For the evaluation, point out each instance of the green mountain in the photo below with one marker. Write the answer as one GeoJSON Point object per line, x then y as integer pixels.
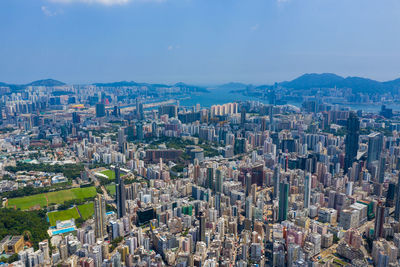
{"type": "Point", "coordinates": [116, 84]}
{"type": "Point", "coordinates": [329, 80]}
{"type": "Point", "coordinates": [306, 81]}
{"type": "Point", "coordinates": [47, 82]}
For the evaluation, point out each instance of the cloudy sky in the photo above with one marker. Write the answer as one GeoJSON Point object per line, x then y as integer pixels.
{"type": "Point", "coordinates": [197, 41]}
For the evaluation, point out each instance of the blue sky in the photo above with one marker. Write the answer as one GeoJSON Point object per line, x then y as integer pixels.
{"type": "Point", "coordinates": [197, 41]}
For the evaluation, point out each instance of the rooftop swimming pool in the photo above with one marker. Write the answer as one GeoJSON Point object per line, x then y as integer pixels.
{"type": "Point", "coordinates": [62, 231]}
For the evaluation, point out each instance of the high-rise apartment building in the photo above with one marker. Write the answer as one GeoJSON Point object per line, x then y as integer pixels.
{"type": "Point", "coordinates": [100, 110]}
{"type": "Point", "coordinates": [283, 201]}
{"type": "Point", "coordinates": [375, 144]}
{"type": "Point", "coordinates": [120, 193]}
{"type": "Point", "coordinates": [307, 190]}
{"type": "Point", "coordinates": [351, 141]}
{"type": "Point", "coordinates": [397, 201]}
{"type": "Point", "coordinates": [100, 216]}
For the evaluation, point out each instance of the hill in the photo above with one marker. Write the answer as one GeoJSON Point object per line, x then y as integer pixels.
{"type": "Point", "coordinates": [311, 80]}
{"type": "Point", "coordinates": [393, 84]}
{"type": "Point", "coordinates": [191, 88]}
{"type": "Point", "coordinates": [330, 80]}
{"type": "Point", "coordinates": [182, 86]}
{"type": "Point", "coordinates": [116, 84]}
{"type": "Point", "coordinates": [46, 82]}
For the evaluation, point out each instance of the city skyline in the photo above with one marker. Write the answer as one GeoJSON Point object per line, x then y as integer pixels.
{"type": "Point", "coordinates": [199, 133]}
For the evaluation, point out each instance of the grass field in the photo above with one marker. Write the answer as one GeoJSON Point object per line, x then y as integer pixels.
{"type": "Point", "coordinates": [62, 215]}
{"type": "Point", "coordinates": [86, 210]}
{"type": "Point", "coordinates": [57, 197]}
{"type": "Point", "coordinates": [109, 173]}
{"type": "Point", "coordinates": [111, 188]}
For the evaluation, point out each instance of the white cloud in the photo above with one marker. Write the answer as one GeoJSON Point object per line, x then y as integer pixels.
{"type": "Point", "coordinates": [254, 27]}
{"type": "Point", "coordinates": [46, 10]}
{"type": "Point", "coordinates": [282, 3]}
{"type": "Point", "coordinates": [104, 2]}
{"type": "Point", "coordinates": [173, 47]}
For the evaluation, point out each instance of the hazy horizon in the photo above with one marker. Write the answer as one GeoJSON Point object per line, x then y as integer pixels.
{"type": "Point", "coordinates": [208, 85]}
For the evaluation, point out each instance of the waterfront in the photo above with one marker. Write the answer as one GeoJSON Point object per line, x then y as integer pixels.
{"type": "Point", "coordinates": [217, 96]}
{"type": "Point", "coordinates": [222, 96]}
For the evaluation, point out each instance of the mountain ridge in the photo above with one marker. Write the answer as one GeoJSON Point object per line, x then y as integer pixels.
{"type": "Point", "coordinates": [44, 82]}
{"type": "Point", "coordinates": [303, 82]}
{"type": "Point", "coordinates": [181, 85]}
{"type": "Point", "coordinates": [323, 81]}
{"type": "Point", "coordinates": [330, 80]}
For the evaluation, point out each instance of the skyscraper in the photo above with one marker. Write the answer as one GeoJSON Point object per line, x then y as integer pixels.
{"type": "Point", "coordinates": [210, 178]}
{"type": "Point", "coordinates": [121, 136]}
{"type": "Point", "coordinates": [276, 180]}
{"type": "Point", "coordinates": [391, 194]}
{"type": "Point", "coordinates": [196, 171]}
{"type": "Point", "coordinates": [307, 190]}
{"type": "Point", "coordinates": [218, 203]}
{"type": "Point", "coordinates": [381, 169]}
{"type": "Point", "coordinates": [379, 220]}
{"type": "Point", "coordinates": [248, 182]}
{"type": "Point", "coordinates": [44, 246]}
{"type": "Point", "coordinates": [100, 216]}
{"type": "Point", "coordinates": [375, 144]}
{"type": "Point", "coordinates": [120, 193]}
{"type": "Point", "coordinates": [249, 207]}
{"type": "Point", "coordinates": [202, 230]}
{"type": "Point", "coordinates": [100, 110]}
{"type": "Point", "coordinates": [243, 116]}
{"type": "Point", "coordinates": [351, 141]}
{"type": "Point", "coordinates": [121, 140]}
{"type": "Point", "coordinates": [283, 201]}
{"type": "Point", "coordinates": [219, 180]}
{"type": "Point", "coordinates": [139, 109]}
{"type": "Point", "coordinates": [397, 208]}
{"type": "Point", "coordinates": [76, 118]}
{"type": "Point", "coordinates": [257, 174]}
{"type": "Point", "coordinates": [271, 117]}
{"type": "Point", "coordinates": [139, 131]}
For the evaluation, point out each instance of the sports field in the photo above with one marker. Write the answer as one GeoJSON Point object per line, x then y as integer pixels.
{"type": "Point", "coordinates": [109, 173]}
{"type": "Point", "coordinates": [57, 197]}
{"type": "Point", "coordinates": [86, 210]}
{"type": "Point", "coordinates": [62, 215]}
